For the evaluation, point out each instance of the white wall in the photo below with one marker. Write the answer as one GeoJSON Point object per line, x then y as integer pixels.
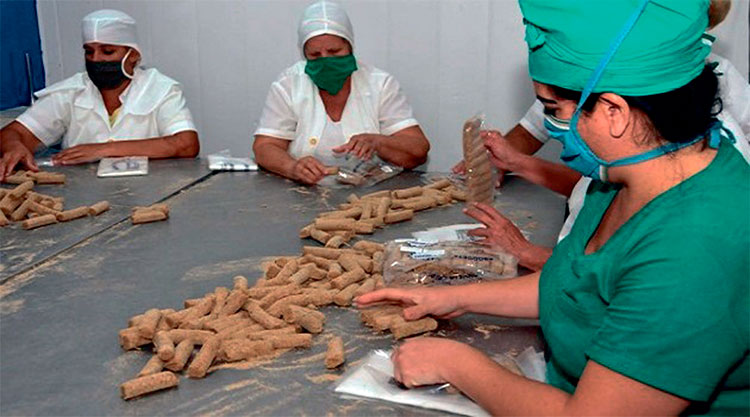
{"type": "Point", "coordinates": [453, 58]}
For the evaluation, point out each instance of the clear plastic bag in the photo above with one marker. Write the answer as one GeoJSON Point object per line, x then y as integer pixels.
{"type": "Point", "coordinates": [224, 161]}
{"type": "Point", "coordinates": [373, 378]}
{"type": "Point", "coordinates": [480, 173]}
{"type": "Point", "coordinates": [409, 262]}
{"type": "Point", "coordinates": [365, 173]}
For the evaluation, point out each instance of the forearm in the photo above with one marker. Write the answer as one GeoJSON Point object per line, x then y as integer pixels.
{"type": "Point", "coordinates": [180, 145]}
{"type": "Point", "coordinates": [11, 136]}
{"type": "Point", "coordinates": [517, 297]}
{"type": "Point", "coordinates": [274, 159]}
{"type": "Point", "coordinates": [501, 392]}
{"type": "Point", "coordinates": [405, 150]}
{"type": "Point", "coordinates": [556, 177]}
{"type": "Point", "coordinates": [523, 141]}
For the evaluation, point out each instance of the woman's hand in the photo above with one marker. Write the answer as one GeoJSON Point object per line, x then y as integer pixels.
{"type": "Point", "coordinates": [503, 155]}
{"type": "Point", "coordinates": [82, 153]}
{"type": "Point", "coordinates": [424, 360]}
{"type": "Point", "coordinates": [363, 145]}
{"type": "Point", "coordinates": [499, 230]}
{"type": "Point", "coordinates": [12, 155]}
{"type": "Point", "coordinates": [308, 170]}
{"type": "Point", "coordinates": [442, 303]}
{"type": "Point", "coordinates": [459, 168]}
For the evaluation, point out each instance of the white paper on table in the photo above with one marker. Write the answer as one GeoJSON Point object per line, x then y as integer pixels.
{"type": "Point", "coordinates": [371, 380]}
{"type": "Point", "coordinates": [123, 166]}
{"type": "Point", "coordinates": [223, 161]}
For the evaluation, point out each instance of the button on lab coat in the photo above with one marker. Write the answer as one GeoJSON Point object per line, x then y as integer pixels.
{"type": "Point", "coordinates": [73, 110]}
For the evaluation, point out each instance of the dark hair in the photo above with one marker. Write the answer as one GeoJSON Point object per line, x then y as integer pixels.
{"type": "Point", "coordinates": [675, 116]}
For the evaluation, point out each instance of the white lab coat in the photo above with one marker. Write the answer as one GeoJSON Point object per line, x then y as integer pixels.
{"type": "Point", "coordinates": [294, 110]}
{"type": "Point", "coordinates": [73, 109]}
{"type": "Point", "coordinates": [734, 92]}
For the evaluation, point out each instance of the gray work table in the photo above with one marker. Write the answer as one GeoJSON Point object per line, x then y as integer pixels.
{"type": "Point", "coordinates": [21, 249]}
{"type": "Point", "coordinates": [59, 353]}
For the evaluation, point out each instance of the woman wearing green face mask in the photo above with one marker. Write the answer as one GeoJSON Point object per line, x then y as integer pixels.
{"type": "Point", "coordinates": [644, 305]}
{"type": "Point", "coordinates": [330, 104]}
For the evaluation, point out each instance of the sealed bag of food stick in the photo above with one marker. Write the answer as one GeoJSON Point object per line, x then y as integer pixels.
{"type": "Point", "coordinates": [365, 172]}
{"type": "Point", "coordinates": [480, 173]}
{"type": "Point", "coordinates": [409, 262]}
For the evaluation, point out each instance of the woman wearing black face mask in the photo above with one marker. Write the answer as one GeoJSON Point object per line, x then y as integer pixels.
{"type": "Point", "coordinates": [114, 108]}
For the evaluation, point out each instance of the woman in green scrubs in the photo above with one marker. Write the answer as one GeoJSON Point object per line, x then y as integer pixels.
{"type": "Point", "coordinates": [644, 306]}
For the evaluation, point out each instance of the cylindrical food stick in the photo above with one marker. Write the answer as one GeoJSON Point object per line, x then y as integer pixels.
{"type": "Point", "coordinates": [364, 228]}
{"type": "Point", "coordinates": [147, 384]}
{"type": "Point", "coordinates": [3, 220]}
{"type": "Point", "coordinates": [279, 293]}
{"type": "Point", "coordinates": [335, 353]}
{"type": "Point", "coordinates": [383, 205]}
{"type": "Point", "coordinates": [377, 262]}
{"type": "Point", "coordinates": [233, 350]}
{"type": "Point", "coordinates": [335, 270]}
{"type": "Point", "coordinates": [291, 341]}
{"type": "Point", "coordinates": [328, 253]}
{"type": "Point", "coordinates": [345, 296]}
{"type": "Point", "coordinates": [147, 216]}
{"type": "Point", "coordinates": [310, 320]}
{"type": "Point", "coordinates": [378, 194]}
{"type": "Point", "coordinates": [181, 355]}
{"type": "Point", "coordinates": [319, 235]}
{"type": "Point", "coordinates": [368, 246]}
{"type": "Point", "coordinates": [21, 211]}
{"type": "Point", "coordinates": [411, 328]}
{"type": "Point", "coordinates": [266, 320]}
{"type": "Point", "coordinates": [348, 278]}
{"type": "Point", "coordinates": [439, 184]}
{"type": "Point", "coordinates": [367, 286]}
{"type": "Point", "coordinates": [48, 177]}
{"type": "Point", "coordinates": [72, 214]}
{"type": "Point", "coordinates": [153, 366]}
{"type": "Point", "coordinates": [408, 192]}
{"type": "Point", "coordinates": [353, 212]}
{"type": "Point", "coordinates": [21, 189]}
{"type": "Point", "coordinates": [131, 339]}
{"type": "Point", "coordinates": [220, 298]}
{"type": "Point", "coordinates": [300, 277]}
{"type": "Point", "coordinates": [39, 221]}
{"type": "Point", "coordinates": [197, 337]}
{"type": "Point", "coordinates": [8, 204]}
{"type": "Point", "coordinates": [147, 326]}
{"type": "Point", "coordinates": [42, 209]}
{"type": "Point", "coordinates": [204, 358]}
{"type": "Point", "coordinates": [319, 261]}
{"type": "Point", "coordinates": [99, 208]}
{"type": "Point", "coordinates": [327, 224]}
{"type": "Point", "coordinates": [398, 216]}
{"type": "Point", "coordinates": [162, 207]}
{"type": "Point", "coordinates": [240, 283]}
{"type": "Point", "coordinates": [335, 242]}
{"type": "Point", "coordinates": [163, 346]}
{"type": "Point", "coordinates": [305, 231]}
{"type": "Point", "coordinates": [235, 301]}
{"type": "Point", "coordinates": [422, 203]}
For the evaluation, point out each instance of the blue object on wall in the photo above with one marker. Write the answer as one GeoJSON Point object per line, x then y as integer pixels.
{"type": "Point", "coordinates": [19, 37]}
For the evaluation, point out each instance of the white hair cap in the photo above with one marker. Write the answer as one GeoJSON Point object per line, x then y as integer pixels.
{"type": "Point", "coordinates": [111, 27]}
{"type": "Point", "coordinates": [324, 17]}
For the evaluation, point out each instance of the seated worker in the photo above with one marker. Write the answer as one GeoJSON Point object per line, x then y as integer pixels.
{"type": "Point", "coordinates": [331, 104]}
{"type": "Point", "coordinates": [644, 305]}
{"type": "Point", "coordinates": [512, 152]}
{"type": "Point", "coordinates": [113, 109]}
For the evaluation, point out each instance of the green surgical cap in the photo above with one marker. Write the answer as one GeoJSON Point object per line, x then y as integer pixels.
{"type": "Point", "coordinates": [663, 51]}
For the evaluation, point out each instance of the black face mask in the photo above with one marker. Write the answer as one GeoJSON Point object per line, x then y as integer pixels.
{"type": "Point", "coordinates": [106, 75]}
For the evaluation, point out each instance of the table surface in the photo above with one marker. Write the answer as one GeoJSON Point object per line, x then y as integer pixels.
{"type": "Point", "coordinates": [59, 353]}
{"type": "Point", "coordinates": [21, 249]}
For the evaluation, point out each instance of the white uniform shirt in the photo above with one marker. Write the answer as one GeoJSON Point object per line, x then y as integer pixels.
{"type": "Point", "coordinates": [294, 110]}
{"type": "Point", "coordinates": [73, 109]}
{"type": "Point", "coordinates": [734, 92]}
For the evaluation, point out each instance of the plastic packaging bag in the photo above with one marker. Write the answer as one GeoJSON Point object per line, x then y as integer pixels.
{"type": "Point", "coordinates": [480, 173]}
{"type": "Point", "coordinates": [411, 262]}
{"type": "Point", "coordinates": [365, 173]}
{"type": "Point", "coordinates": [223, 161]}
{"type": "Point", "coordinates": [123, 166]}
{"type": "Point", "coordinates": [373, 378]}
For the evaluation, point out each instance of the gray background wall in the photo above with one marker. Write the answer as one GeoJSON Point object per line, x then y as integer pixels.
{"type": "Point", "coordinates": [453, 58]}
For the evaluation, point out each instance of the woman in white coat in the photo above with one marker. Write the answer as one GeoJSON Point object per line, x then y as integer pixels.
{"type": "Point", "coordinates": [330, 104]}
{"type": "Point", "coordinates": [112, 109]}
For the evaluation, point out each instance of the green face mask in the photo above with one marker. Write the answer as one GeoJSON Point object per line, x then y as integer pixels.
{"type": "Point", "coordinates": [330, 73]}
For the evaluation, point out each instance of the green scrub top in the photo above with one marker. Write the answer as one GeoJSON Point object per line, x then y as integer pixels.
{"type": "Point", "coordinates": [665, 300]}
